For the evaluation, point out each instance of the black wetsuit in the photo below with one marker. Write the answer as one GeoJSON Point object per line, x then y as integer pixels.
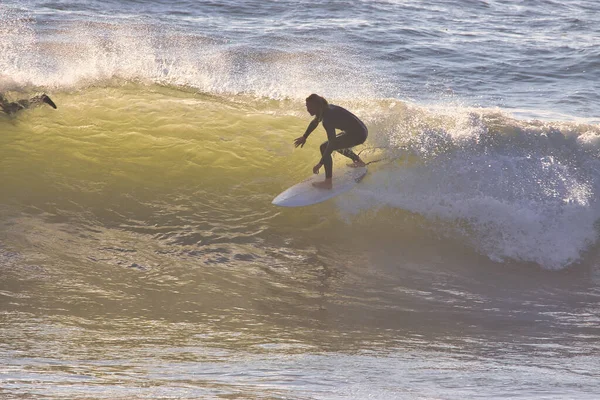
{"type": "Point", "coordinates": [354, 132]}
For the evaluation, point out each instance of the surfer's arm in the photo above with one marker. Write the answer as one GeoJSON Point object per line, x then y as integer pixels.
{"type": "Point", "coordinates": [311, 127]}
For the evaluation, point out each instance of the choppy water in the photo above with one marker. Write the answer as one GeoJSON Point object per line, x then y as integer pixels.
{"type": "Point", "coordinates": [140, 256]}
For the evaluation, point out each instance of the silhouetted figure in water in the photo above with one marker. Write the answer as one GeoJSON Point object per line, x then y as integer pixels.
{"type": "Point", "coordinates": [354, 132]}
{"type": "Point", "coordinates": [13, 107]}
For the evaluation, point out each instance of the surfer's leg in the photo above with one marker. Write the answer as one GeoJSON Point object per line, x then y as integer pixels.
{"type": "Point", "coordinates": [347, 152]}
{"type": "Point", "coordinates": [39, 100]}
{"type": "Point", "coordinates": [327, 161]}
{"type": "Point", "coordinates": [343, 144]}
{"type": "Point", "coordinates": [13, 107]}
{"type": "Point", "coordinates": [23, 104]}
{"type": "Point", "coordinates": [328, 164]}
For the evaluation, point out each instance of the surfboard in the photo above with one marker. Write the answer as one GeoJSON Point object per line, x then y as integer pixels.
{"type": "Point", "coordinates": [305, 194]}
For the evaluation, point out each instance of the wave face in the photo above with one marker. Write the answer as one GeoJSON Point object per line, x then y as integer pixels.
{"type": "Point", "coordinates": [165, 111]}
{"type": "Point", "coordinates": [141, 94]}
{"type": "Point", "coordinates": [135, 93]}
{"type": "Point", "coordinates": [511, 190]}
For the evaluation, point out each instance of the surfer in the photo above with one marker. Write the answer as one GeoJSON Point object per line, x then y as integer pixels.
{"type": "Point", "coordinates": [353, 132]}
{"type": "Point", "coordinates": [15, 106]}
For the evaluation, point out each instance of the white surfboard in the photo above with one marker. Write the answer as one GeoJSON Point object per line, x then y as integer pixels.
{"type": "Point", "coordinates": [305, 194]}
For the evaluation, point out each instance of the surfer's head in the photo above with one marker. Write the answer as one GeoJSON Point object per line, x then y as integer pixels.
{"type": "Point", "coordinates": [316, 105]}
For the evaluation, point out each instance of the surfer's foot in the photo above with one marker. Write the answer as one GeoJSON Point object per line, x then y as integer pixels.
{"type": "Point", "coordinates": [357, 164]}
{"type": "Point", "coordinates": [326, 184]}
{"type": "Point", "coordinates": [48, 101]}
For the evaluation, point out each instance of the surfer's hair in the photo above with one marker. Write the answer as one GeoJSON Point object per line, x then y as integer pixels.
{"type": "Point", "coordinates": [321, 102]}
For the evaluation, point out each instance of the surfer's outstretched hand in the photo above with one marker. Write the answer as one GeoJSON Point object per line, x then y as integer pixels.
{"type": "Point", "coordinates": [300, 141]}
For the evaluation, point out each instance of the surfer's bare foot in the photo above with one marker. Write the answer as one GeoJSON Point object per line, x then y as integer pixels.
{"type": "Point", "coordinates": [357, 164]}
{"type": "Point", "coordinates": [48, 100]}
{"type": "Point", "coordinates": [326, 184]}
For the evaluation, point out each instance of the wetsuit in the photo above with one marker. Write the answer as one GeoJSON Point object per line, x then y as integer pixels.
{"type": "Point", "coordinates": [354, 132]}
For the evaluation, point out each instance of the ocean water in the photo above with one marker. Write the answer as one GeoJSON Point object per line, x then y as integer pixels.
{"type": "Point", "coordinates": [140, 255]}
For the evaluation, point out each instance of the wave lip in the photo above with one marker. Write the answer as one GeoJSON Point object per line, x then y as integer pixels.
{"type": "Point", "coordinates": [83, 51]}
